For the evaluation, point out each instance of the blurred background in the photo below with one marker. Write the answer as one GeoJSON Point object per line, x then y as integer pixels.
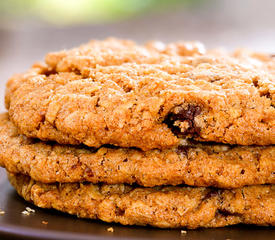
{"type": "Point", "coordinates": [31, 28]}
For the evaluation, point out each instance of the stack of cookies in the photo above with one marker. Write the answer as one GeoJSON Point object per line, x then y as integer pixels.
{"type": "Point", "coordinates": [169, 135]}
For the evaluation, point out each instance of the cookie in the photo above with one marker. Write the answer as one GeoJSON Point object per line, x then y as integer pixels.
{"type": "Point", "coordinates": [164, 207]}
{"type": "Point", "coordinates": [120, 93]}
{"type": "Point", "coordinates": [194, 164]}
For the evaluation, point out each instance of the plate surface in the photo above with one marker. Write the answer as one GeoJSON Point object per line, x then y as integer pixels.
{"type": "Point", "coordinates": [15, 225]}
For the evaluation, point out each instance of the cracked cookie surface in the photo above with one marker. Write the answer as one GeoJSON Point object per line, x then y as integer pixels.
{"type": "Point", "coordinates": [195, 164]}
{"type": "Point", "coordinates": [146, 96]}
{"type": "Point", "coordinates": [164, 207]}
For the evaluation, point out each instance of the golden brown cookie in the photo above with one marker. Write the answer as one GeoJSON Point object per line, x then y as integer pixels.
{"type": "Point", "coordinates": [198, 164]}
{"type": "Point", "coordinates": [146, 96]}
{"type": "Point", "coordinates": [164, 207]}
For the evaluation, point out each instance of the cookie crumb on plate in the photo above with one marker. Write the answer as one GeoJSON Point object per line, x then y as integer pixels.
{"type": "Point", "coordinates": [25, 212]}
{"type": "Point", "coordinates": [110, 229]}
{"type": "Point", "coordinates": [30, 210]}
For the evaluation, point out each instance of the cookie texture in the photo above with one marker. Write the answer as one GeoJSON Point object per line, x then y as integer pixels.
{"type": "Point", "coordinates": [194, 164]}
{"type": "Point", "coordinates": [146, 96]}
{"type": "Point", "coordinates": [164, 207]}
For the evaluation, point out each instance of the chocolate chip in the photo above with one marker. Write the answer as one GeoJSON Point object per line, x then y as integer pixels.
{"type": "Point", "coordinates": [74, 166]}
{"type": "Point", "coordinates": [215, 79]}
{"type": "Point", "coordinates": [86, 183]}
{"type": "Point", "coordinates": [183, 115]}
{"type": "Point", "coordinates": [255, 82]}
{"type": "Point", "coordinates": [161, 108]}
{"type": "Point", "coordinates": [226, 213]}
{"type": "Point", "coordinates": [49, 71]}
{"type": "Point", "coordinates": [89, 172]}
{"type": "Point", "coordinates": [119, 211]}
{"type": "Point", "coordinates": [212, 193]}
{"type": "Point", "coordinates": [182, 149]}
{"type": "Point", "coordinates": [266, 94]}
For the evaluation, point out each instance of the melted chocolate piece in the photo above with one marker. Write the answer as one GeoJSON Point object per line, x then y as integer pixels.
{"type": "Point", "coordinates": [183, 115]}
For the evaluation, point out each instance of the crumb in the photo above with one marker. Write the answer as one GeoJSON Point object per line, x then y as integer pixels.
{"type": "Point", "coordinates": [30, 210]}
{"type": "Point", "coordinates": [25, 213]}
{"type": "Point", "coordinates": [44, 222]}
{"type": "Point", "coordinates": [110, 229]}
{"type": "Point", "coordinates": [182, 232]}
{"type": "Point", "coordinates": [2, 212]}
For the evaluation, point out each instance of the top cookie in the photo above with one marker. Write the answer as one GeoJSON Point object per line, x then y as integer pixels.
{"type": "Point", "coordinates": [150, 96]}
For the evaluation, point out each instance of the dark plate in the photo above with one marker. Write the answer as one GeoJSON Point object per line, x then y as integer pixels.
{"type": "Point", "coordinates": [15, 225]}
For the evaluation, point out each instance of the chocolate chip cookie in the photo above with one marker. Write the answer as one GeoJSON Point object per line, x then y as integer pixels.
{"type": "Point", "coordinates": [194, 164]}
{"type": "Point", "coordinates": [146, 96]}
{"type": "Point", "coordinates": [164, 207]}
